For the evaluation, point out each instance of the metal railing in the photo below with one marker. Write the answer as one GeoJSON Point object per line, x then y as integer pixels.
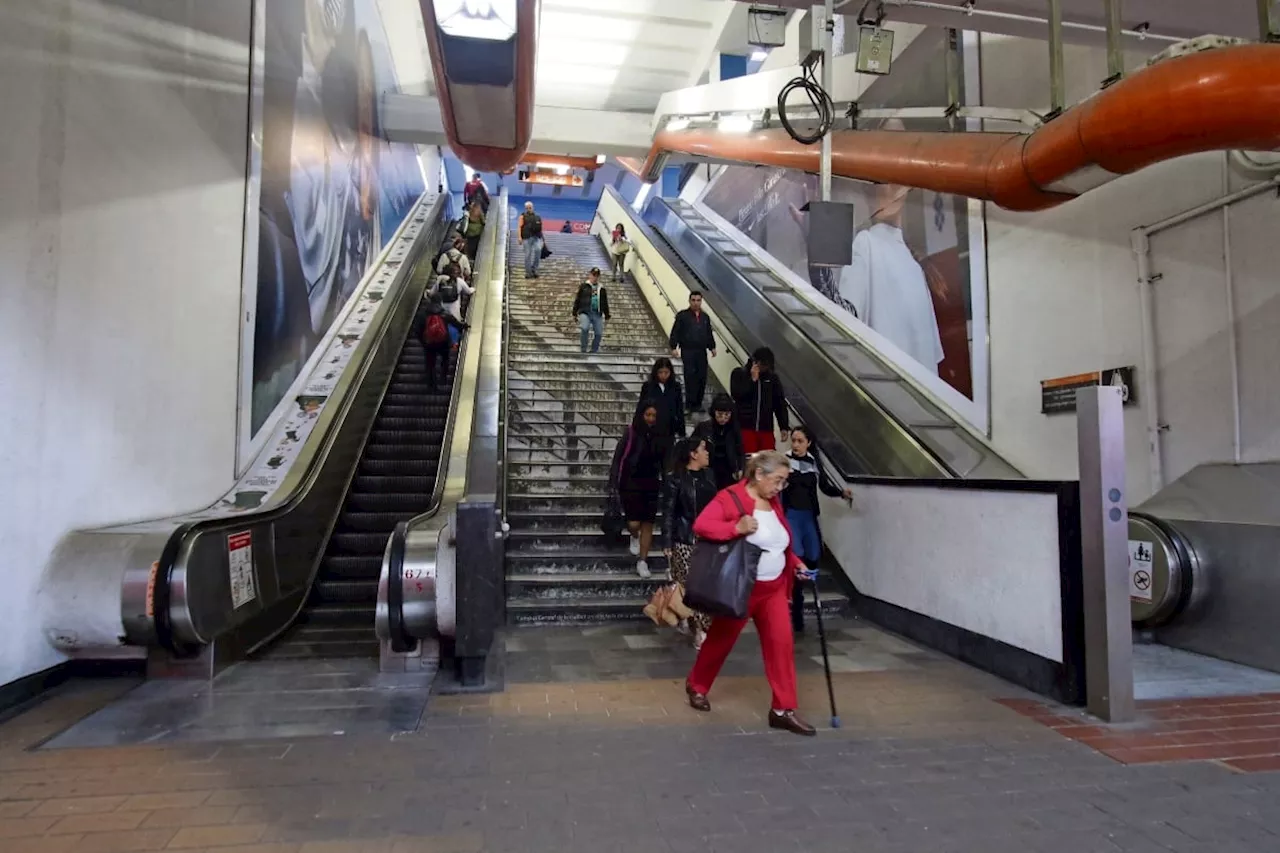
{"type": "Point", "coordinates": [417, 585]}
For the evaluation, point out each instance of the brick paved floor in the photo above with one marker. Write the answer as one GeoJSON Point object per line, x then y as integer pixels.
{"type": "Point", "coordinates": [927, 762]}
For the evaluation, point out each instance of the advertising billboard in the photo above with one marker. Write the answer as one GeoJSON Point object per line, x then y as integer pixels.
{"type": "Point", "coordinates": [330, 189]}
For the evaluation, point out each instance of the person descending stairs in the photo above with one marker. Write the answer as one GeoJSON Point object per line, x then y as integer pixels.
{"type": "Point", "coordinates": [567, 411]}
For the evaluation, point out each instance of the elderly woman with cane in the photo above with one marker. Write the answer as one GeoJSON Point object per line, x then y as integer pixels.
{"type": "Point", "coordinates": [752, 510]}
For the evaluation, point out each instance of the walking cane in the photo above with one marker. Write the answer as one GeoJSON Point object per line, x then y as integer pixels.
{"type": "Point", "coordinates": [826, 662]}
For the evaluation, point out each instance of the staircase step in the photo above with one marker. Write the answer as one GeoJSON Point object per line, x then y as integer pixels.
{"type": "Point", "coordinates": [581, 585]}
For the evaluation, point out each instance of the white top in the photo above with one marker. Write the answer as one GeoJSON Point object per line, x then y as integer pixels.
{"type": "Point", "coordinates": [887, 289]}
{"type": "Point", "coordinates": [454, 307]}
{"type": "Point", "coordinates": [455, 257]}
{"type": "Point", "coordinates": [772, 540]}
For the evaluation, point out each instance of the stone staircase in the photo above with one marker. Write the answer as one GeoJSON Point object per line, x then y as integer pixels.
{"type": "Point", "coordinates": [566, 412]}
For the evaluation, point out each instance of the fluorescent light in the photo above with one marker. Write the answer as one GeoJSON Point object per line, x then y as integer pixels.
{"type": "Point", "coordinates": [600, 158]}
{"type": "Point", "coordinates": [489, 20]}
{"type": "Point", "coordinates": [759, 55]}
{"type": "Point", "coordinates": [677, 124]}
{"type": "Point", "coordinates": [735, 124]}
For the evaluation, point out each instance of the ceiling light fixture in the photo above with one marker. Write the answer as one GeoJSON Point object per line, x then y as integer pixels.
{"type": "Point", "coordinates": [735, 124]}
{"type": "Point", "coordinates": [487, 20]}
{"type": "Point", "coordinates": [677, 124]}
{"type": "Point", "coordinates": [759, 55]}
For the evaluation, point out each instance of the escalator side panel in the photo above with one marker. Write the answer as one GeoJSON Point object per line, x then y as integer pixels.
{"type": "Point", "coordinates": [857, 434]}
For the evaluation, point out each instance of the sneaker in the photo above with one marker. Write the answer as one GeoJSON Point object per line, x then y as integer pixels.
{"type": "Point", "coordinates": [642, 569]}
{"type": "Point", "coordinates": [635, 546]}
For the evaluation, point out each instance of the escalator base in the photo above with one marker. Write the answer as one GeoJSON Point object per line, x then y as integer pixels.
{"type": "Point", "coordinates": [259, 700]}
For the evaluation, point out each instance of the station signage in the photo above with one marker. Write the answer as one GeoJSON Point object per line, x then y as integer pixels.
{"type": "Point", "coordinates": [1059, 395]}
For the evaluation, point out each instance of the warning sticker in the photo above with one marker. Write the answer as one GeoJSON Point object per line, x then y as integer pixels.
{"type": "Point", "coordinates": [1140, 559]}
{"type": "Point", "coordinates": [240, 560]}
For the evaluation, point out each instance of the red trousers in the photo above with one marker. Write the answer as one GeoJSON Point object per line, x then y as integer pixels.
{"type": "Point", "coordinates": [770, 608]}
{"type": "Point", "coordinates": [754, 440]}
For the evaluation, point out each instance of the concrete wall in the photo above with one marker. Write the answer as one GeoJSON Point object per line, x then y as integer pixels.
{"type": "Point", "coordinates": [121, 230]}
{"type": "Point", "coordinates": [1062, 284]}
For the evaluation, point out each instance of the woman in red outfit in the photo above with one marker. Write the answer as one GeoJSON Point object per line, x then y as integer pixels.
{"type": "Point", "coordinates": [770, 606]}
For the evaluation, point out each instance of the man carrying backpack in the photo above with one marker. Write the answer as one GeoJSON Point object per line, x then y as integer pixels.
{"type": "Point", "coordinates": [450, 288]}
{"type": "Point", "coordinates": [475, 192]}
{"type": "Point", "coordinates": [531, 239]}
{"type": "Point", "coordinates": [438, 334]}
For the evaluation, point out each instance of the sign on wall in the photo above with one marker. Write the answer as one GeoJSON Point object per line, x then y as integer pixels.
{"type": "Point", "coordinates": [1059, 395]}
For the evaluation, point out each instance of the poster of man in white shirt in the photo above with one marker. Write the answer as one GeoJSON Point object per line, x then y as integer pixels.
{"type": "Point", "coordinates": [885, 286]}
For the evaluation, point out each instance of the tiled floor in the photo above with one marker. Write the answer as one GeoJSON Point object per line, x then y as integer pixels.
{"type": "Point", "coordinates": [572, 759]}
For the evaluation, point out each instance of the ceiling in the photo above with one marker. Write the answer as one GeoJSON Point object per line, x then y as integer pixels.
{"type": "Point", "coordinates": [624, 54]}
{"type": "Point", "coordinates": [1180, 19]}
{"type": "Point", "coordinates": [596, 54]}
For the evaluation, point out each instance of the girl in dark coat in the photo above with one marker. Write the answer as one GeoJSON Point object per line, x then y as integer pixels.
{"type": "Point", "coordinates": [637, 469]}
{"type": "Point", "coordinates": [721, 431]}
{"type": "Point", "coordinates": [663, 388]}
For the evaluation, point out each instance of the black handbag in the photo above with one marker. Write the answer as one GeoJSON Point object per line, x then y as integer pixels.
{"type": "Point", "coordinates": [721, 575]}
{"type": "Point", "coordinates": [546, 253]}
{"type": "Point", "coordinates": [614, 521]}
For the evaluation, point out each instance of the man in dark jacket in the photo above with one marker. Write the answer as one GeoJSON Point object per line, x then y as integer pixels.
{"type": "Point", "coordinates": [691, 339]}
{"type": "Point", "coordinates": [591, 309]}
{"type": "Point", "coordinates": [531, 240]}
{"type": "Point", "coordinates": [760, 396]}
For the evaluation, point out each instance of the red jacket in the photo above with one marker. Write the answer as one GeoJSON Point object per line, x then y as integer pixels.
{"type": "Point", "coordinates": [719, 519]}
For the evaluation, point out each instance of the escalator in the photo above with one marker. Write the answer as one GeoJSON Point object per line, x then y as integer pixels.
{"type": "Point", "coordinates": [394, 482]}
{"type": "Point", "coordinates": [874, 421]}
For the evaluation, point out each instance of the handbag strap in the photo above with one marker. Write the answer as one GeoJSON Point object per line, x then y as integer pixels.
{"type": "Point", "coordinates": [742, 511]}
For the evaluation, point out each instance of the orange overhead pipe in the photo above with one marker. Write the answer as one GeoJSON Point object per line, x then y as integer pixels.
{"type": "Point", "coordinates": [1216, 100]}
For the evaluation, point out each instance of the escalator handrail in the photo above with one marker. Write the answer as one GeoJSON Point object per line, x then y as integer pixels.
{"type": "Point", "coordinates": [730, 343]}
{"type": "Point", "coordinates": [414, 546]}
{"type": "Point", "coordinates": [324, 436]}
{"type": "Point", "coordinates": [807, 297]}
{"type": "Point", "coordinates": [943, 468]}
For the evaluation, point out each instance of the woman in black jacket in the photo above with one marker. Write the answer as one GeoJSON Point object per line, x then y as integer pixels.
{"type": "Point", "coordinates": [800, 500]}
{"type": "Point", "coordinates": [637, 471]}
{"type": "Point", "coordinates": [721, 432]}
{"type": "Point", "coordinates": [685, 492]}
{"type": "Point", "coordinates": [760, 396]}
{"type": "Point", "coordinates": [663, 388]}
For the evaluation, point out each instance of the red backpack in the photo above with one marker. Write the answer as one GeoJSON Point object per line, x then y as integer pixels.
{"type": "Point", "coordinates": [435, 332]}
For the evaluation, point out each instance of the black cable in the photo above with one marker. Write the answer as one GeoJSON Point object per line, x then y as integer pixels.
{"type": "Point", "coordinates": [818, 99]}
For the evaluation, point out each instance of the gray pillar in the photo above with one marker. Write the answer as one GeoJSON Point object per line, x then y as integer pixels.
{"type": "Point", "coordinates": [1104, 540]}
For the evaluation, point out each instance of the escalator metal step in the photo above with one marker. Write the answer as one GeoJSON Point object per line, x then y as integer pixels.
{"type": "Point", "coordinates": [423, 467]}
{"type": "Point", "coordinates": [377, 522]}
{"type": "Point", "coordinates": [353, 592]}
{"type": "Point", "coordinates": [351, 568]}
{"type": "Point", "coordinates": [406, 502]}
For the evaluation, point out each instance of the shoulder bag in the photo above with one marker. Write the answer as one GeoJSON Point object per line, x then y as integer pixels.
{"type": "Point", "coordinates": [721, 574]}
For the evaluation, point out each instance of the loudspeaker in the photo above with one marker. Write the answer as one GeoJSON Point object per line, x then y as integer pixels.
{"type": "Point", "coordinates": [830, 234]}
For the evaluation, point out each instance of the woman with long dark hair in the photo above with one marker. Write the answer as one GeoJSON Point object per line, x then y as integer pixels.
{"type": "Point", "coordinates": [637, 470]}
{"type": "Point", "coordinates": [664, 389]}
{"type": "Point", "coordinates": [687, 490]}
{"type": "Point", "coordinates": [800, 501]}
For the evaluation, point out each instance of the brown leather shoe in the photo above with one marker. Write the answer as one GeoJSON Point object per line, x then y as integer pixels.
{"type": "Point", "coordinates": [697, 701]}
{"type": "Point", "coordinates": [790, 721]}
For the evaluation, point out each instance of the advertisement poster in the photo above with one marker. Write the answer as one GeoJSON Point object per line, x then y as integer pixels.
{"type": "Point", "coordinates": [909, 280]}
{"type": "Point", "coordinates": [332, 189]}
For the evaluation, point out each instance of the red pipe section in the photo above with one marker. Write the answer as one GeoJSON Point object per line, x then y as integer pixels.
{"type": "Point", "coordinates": [483, 158]}
{"type": "Point", "coordinates": [1216, 100]}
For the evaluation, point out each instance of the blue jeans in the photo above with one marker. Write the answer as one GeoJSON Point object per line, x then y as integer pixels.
{"type": "Point", "coordinates": [807, 543]}
{"type": "Point", "coordinates": [591, 322]}
{"type": "Point", "coordinates": [532, 255]}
